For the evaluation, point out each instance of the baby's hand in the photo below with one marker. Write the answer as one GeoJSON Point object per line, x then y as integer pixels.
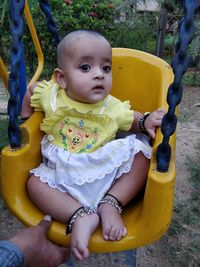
{"type": "Point", "coordinates": [153, 121]}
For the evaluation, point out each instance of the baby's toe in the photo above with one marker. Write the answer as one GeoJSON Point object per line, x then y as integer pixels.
{"type": "Point", "coordinates": [76, 254]}
{"type": "Point", "coordinates": [80, 253]}
{"type": "Point", "coordinates": [122, 233]}
{"type": "Point", "coordinates": [114, 233]}
{"type": "Point", "coordinates": [106, 231]}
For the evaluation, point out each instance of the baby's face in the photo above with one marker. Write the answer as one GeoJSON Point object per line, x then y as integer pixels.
{"type": "Point", "coordinates": [88, 73]}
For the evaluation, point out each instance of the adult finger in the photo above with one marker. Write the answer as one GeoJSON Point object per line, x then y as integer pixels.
{"type": "Point", "coordinates": [45, 223]}
{"type": "Point", "coordinates": [62, 255]}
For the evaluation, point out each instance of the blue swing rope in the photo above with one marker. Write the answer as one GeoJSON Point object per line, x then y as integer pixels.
{"type": "Point", "coordinates": [45, 7]}
{"type": "Point", "coordinates": [16, 59]}
{"type": "Point", "coordinates": [22, 71]}
{"type": "Point", "coordinates": [179, 65]}
{"type": "Point", "coordinates": [16, 56]}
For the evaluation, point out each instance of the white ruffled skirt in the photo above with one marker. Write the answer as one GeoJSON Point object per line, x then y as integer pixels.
{"type": "Point", "coordinates": [88, 176]}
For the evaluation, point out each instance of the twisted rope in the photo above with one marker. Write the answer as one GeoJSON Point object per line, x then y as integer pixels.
{"type": "Point", "coordinates": [14, 77]}
{"type": "Point", "coordinates": [45, 7]}
{"type": "Point", "coordinates": [179, 65]}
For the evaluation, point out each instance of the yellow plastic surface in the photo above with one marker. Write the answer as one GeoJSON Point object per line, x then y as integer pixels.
{"type": "Point", "coordinates": [144, 79]}
{"type": "Point", "coordinates": [3, 73]}
{"type": "Point", "coordinates": [36, 44]}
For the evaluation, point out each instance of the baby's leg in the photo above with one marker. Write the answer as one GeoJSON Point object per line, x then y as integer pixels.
{"type": "Point", "coordinates": [124, 189]}
{"type": "Point", "coordinates": [81, 232]}
{"type": "Point", "coordinates": [61, 206]}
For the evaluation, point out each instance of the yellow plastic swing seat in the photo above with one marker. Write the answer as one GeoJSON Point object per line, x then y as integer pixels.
{"type": "Point", "coordinates": [144, 80]}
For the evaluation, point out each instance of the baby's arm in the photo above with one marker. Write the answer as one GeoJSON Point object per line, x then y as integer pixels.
{"type": "Point", "coordinates": [27, 110]}
{"type": "Point", "coordinates": [153, 121]}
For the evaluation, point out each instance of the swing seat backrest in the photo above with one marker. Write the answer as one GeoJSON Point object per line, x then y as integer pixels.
{"type": "Point", "coordinates": [144, 80]}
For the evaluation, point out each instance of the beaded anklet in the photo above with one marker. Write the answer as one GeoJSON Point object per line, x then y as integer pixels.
{"type": "Point", "coordinates": [113, 201]}
{"type": "Point", "coordinates": [79, 213]}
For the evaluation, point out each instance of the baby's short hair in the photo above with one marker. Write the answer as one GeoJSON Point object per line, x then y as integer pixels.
{"type": "Point", "coordinates": [70, 38]}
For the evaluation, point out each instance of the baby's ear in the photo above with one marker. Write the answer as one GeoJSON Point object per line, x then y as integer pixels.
{"type": "Point", "coordinates": [60, 78]}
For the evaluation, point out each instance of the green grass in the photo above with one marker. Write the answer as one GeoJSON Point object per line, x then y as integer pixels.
{"type": "Point", "coordinates": [3, 131]}
{"type": "Point", "coordinates": [191, 79]}
{"type": "Point", "coordinates": [183, 238]}
{"type": "Point", "coordinates": [184, 116]}
{"type": "Point", "coordinates": [4, 141]}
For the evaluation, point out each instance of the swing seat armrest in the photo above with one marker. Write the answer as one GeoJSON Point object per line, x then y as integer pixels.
{"type": "Point", "coordinates": [18, 162]}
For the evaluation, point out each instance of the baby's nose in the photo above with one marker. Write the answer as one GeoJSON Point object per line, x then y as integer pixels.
{"type": "Point", "coordinates": [99, 73]}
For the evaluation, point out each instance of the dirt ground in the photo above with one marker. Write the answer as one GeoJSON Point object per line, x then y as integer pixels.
{"type": "Point", "coordinates": [188, 135]}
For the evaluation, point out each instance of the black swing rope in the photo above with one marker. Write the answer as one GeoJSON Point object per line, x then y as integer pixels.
{"type": "Point", "coordinates": [174, 95]}
{"type": "Point", "coordinates": [17, 30]}
{"type": "Point", "coordinates": [51, 25]}
{"type": "Point", "coordinates": [16, 51]}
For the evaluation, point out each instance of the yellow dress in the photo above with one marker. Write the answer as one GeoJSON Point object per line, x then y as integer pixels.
{"type": "Point", "coordinates": [80, 153]}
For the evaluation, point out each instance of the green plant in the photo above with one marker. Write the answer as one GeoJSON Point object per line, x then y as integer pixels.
{"type": "Point", "coordinates": [184, 116]}
{"type": "Point", "coordinates": [194, 48]}
{"type": "Point", "coordinates": [194, 168]}
{"type": "Point", "coordinates": [116, 19]}
{"type": "Point", "coordinates": [133, 29]}
{"type": "Point", "coordinates": [4, 29]}
{"type": "Point", "coordinates": [183, 238]}
{"type": "Point", "coordinates": [69, 15]}
{"type": "Point", "coordinates": [191, 78]}
{"type": "Point", "coordinates": [3, 131]}
{"type": "Point", "coordinates": [169, 45]}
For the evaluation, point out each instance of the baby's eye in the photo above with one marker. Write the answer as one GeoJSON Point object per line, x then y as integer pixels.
{"type": "Point", "coordinates": [107, 69]}
{"type": "Point", "coordinates": [85, 67]}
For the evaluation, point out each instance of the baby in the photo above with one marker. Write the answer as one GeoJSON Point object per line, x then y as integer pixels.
{"type": "Point", "coordinates": [87, 175]}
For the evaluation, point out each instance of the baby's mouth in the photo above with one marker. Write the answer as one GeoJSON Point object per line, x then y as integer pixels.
{"type": "Point", "coordinates": [98, 87]}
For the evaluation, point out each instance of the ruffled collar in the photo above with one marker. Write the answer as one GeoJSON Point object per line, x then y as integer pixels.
{"type": "Point", "coordinates": [74, 103]}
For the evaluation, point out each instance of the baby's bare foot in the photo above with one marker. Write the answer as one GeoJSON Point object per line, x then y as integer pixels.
{"type": "Point", "coordinates": [113, 227]}
{"type": "Point", "coordinates": [82, 230]}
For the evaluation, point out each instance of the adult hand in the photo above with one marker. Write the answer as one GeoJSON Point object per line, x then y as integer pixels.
{"type": "Point", "coordinates": [38, 251]}
{"type": "Point", "coordinates": [153, 121]}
